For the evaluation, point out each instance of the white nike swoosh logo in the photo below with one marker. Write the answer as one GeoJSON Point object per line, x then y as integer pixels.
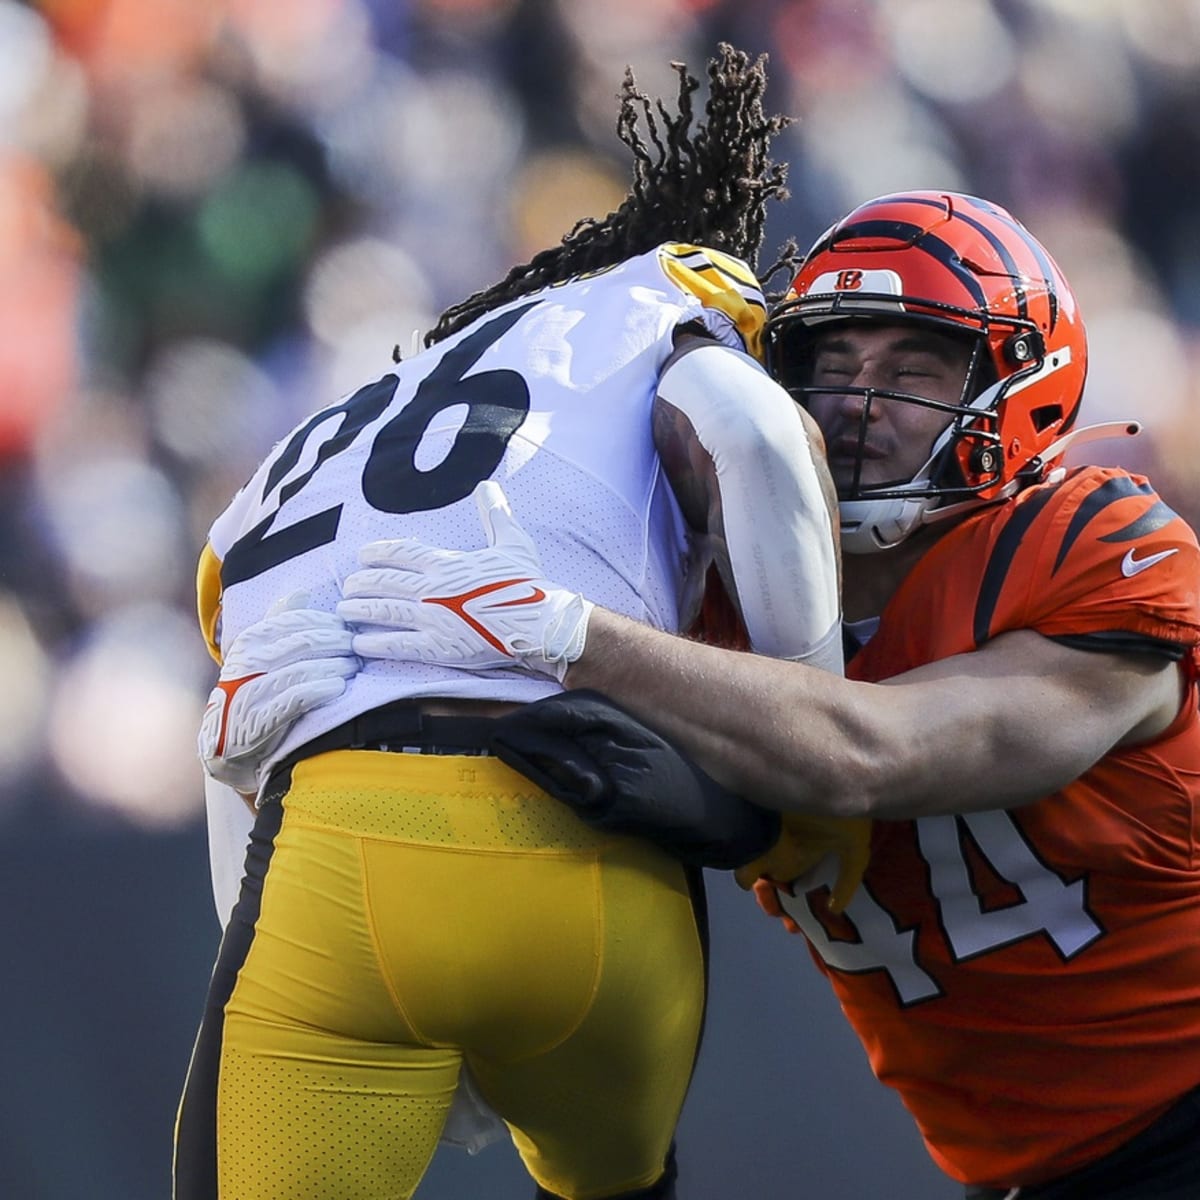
{"type": "Point", "coordinates": [1132, 566]}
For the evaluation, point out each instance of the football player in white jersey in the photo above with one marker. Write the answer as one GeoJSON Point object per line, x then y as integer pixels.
{"type": "Point", "coordinates": [412, 908]}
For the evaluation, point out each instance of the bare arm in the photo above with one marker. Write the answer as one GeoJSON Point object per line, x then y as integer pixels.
{"type": "Point", "coordinates": [999, 727]}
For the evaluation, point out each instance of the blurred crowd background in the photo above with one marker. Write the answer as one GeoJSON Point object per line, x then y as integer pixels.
{"type": "Point", "coordinates": [217, 217]}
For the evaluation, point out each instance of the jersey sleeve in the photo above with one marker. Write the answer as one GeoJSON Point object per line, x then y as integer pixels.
{"type": "Point", "coordinates": [766, 507]}
{"type": "Point", "coordinates": [733, 308]}
{"type": "Point", "coordinates": [1111, 557]}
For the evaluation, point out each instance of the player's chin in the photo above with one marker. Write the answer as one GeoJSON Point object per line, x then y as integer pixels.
{"type": "Point", "coordinates": [852, 485]}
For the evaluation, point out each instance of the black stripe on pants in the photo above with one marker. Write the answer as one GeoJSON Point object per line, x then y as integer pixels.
{"type": "Point", "coordinates": [195, 1168]}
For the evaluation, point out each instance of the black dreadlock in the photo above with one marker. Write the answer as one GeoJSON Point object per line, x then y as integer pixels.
{"type": "Point", "coordinates": [709, 188]}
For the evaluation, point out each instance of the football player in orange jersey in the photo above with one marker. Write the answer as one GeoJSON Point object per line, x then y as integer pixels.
{"type": "Point", "coordinates": [1020, 718]}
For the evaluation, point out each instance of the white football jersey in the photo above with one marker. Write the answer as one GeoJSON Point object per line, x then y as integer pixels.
{"type": "Point", "coordinates": [551, 396]}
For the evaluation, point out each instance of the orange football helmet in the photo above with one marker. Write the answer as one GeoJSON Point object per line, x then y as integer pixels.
{"type": "Point", "coordinates": [963, 266]}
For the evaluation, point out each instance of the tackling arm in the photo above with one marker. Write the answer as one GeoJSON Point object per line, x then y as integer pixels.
{"type": "Point", "coordinates": [1000, 727]}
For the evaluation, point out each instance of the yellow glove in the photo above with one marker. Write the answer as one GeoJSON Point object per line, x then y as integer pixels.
{"type": "Point", "coordinates": [803, 841]}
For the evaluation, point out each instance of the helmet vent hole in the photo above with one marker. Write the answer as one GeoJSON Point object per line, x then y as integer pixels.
{"type": "Point", "coordinates": [1046, 416]}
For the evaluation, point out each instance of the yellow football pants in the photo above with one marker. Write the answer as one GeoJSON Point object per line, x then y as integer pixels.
{"type": "Point", "coordinates": [402, 913]}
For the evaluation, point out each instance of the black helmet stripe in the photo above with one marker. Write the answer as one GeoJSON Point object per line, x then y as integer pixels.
{"type": "Point", "coordinates": [821, 246]}
{"type": "Point", "coordinates": [1031, 243]}
{"type": "Point", "coordinates": [937, 201]}
{"type": "Point", "coordinates": [916, 237]}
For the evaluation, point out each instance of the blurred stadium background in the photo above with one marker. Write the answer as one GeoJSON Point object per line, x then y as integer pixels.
{"type": "Point", "coordinates": [216, 217]}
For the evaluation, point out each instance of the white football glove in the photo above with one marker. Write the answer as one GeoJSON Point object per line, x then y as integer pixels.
{"type": "Point", "coordinates": [474, 609]}
{"type": "Point", "coordinates": [275, 670]}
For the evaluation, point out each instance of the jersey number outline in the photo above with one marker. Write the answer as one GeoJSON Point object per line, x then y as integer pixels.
{"type": "Point", "coordinates": [497, 403]}
{"type": "Point", "coordinates": [1049, 906]}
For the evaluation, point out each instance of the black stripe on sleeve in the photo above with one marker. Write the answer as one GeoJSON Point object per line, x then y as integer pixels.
{"type": "Point", "coordinates": [1109, 492]}
{"type": "Point", "coordinates": [1119, 641]}
{"type": "Point", "coordinates": [996, 571]}
{"type": "Point", "coordinates": [1155, 517]}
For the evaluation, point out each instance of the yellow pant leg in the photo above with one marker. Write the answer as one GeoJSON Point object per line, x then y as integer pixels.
{"type": "Point", "coordinates": [567, 966]}
{"type": "Point", "coordinates": [594, 1115]}
{"type": "Point", "coordinates": [416, 909]}
{"type": "Point", "coordinates": [307, 1115]}
{"type": "Point", "coordinates": [576, 991]}
{"type": "Point", "coordinates": [322, 1092]}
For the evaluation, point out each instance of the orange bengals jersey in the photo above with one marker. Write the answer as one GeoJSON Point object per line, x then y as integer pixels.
{"type": "Point", "coordinates": [718, 622]}
{"type": "Point", "coordinates": [1029, 980]}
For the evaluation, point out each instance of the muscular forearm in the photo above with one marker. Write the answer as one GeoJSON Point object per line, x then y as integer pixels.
{"type": "Point", "coordinates": [788, 735]}
{"type": "Point", "coordinates": [1014, 723]}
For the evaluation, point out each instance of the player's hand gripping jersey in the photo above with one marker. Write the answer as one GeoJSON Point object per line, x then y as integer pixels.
{"type": "Point", "coordinates": [519, 397]}
{"type": "Point", "coordinates": [1086, 904]}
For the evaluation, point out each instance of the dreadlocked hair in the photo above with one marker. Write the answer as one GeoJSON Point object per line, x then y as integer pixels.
{"type": "Point", "coordinates": [708, 187]}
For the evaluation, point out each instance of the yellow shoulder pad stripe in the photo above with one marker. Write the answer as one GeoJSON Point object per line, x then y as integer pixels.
{"type": "Point", "coordinates": [722, 282]}
{"type": "Point", "coordinates": [208, 598]}
{"type": "Point", "coordinates": [711, 264]}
